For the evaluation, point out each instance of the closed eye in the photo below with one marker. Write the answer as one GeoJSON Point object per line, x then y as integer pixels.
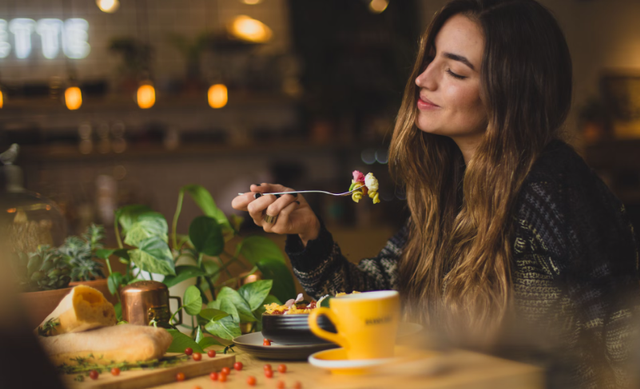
{"type": "Point", "coordinates": [459, 77]}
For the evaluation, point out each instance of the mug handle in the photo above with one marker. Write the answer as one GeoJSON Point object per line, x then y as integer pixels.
{"type": "Point", "coordinates": [315, 328]}
{"type": "Point", "coordinates": [179, 305]}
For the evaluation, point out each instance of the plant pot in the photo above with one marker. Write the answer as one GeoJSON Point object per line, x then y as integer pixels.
{"type": "Point", "coordinates": [102, 285]}
{"type": "Point", "coordinates": [39, 305]}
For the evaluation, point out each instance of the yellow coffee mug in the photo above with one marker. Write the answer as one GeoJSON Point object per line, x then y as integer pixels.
{"type": "Point", "coordinates": [366, 323]}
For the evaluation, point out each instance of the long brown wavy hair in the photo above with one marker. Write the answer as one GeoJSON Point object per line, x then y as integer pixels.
{"type": "Point", "coordinates": [456, 265]}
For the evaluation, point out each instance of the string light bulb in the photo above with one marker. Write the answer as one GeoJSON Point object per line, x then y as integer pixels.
{"type": "Point", "coordinates": [73, 98]}
{"type": "Point", "coordinates": [218, 96]}
{"type": "Point", "coordinates": [252, 2]}
{"type": "Point", "coordinates": [378, 6]}
{"type": "Point", "coordinates": [108, 6]}
{"type": "Point", "coordinates": [250, 30]}
{"type": "Point", "coordinates": [1, 99]}
{"type": "Point", "coordinates": [146, 95]}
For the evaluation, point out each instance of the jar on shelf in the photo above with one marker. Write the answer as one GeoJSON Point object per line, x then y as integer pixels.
{"type": "Point", "coordinates": [28, 218]}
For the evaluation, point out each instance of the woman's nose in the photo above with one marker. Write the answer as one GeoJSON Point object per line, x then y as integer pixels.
{"type": "Point", "coordinates": [427, 79]}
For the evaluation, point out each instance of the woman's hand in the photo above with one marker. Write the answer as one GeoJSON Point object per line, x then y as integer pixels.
{"type": "Point", "coordinates": [284, 214]}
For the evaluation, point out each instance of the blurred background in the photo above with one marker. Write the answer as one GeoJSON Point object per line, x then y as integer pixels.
{"type": "Point", "coordinates": [117, 102]}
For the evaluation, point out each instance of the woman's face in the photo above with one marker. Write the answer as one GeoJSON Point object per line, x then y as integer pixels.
{"type": "Point", "coordinates": [449, 100]}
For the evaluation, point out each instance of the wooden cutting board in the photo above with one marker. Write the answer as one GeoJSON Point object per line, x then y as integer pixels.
{"type": "Point", "coordinates": [146, 378]}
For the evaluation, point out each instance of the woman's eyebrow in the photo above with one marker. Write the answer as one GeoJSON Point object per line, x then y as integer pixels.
{"type": "Point", "coordinates": [459, 58]}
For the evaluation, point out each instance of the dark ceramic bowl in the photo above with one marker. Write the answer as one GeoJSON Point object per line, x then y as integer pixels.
{"type": "Point", "coordinates": [293, 329]}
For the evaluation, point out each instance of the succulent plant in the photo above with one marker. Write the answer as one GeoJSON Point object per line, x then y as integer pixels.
{"type": "Point", "coordinates": [43, 269]}
{"type": "Point", "coordinates": [80, 254]}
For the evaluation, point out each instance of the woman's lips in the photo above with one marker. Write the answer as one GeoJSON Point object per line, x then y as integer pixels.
{"type": "Point", "coordinates": [426, 104]}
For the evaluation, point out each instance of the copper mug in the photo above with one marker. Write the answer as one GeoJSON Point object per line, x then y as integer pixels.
{"type": "Point", "coordinates": [147, 301]}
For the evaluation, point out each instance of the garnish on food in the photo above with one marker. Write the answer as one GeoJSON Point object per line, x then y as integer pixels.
{"type": "Point", "coordinates": [291, 307]}
{"type": "Point", "coordinates": [368, 185]}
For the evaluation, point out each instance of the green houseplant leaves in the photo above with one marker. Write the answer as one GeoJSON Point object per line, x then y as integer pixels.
{"type": "Point", "coordinates": [146, 243]}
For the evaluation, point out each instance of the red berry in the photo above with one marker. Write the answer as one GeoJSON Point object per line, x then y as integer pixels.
{"type": "Point", "coordinates": [266, 342]}
{"type": "Point", "coordinates": [282, 368]}
{"type": "Point", "coordinates": [115, 371]}
{"type": "Point", "coordinates": [223, 378]}
{"type": "Point", "coordinates": [267, 366]}
{"type": "Point", "coordinates": [226, 370]}
{"type": "Point", "coordinates": [213, 376]}
{"type": "Point", "coordinates": [180, 377]}
{"type": "Point", "coordinates": [211, 353]}
{"type": "Point", "coordinates": [268, 373]}
{"type": "Point", "coordinates": [188, 351]}
{"type": "Point", "coordinates": [196, 356]}
{"type": "Point", "coordinates": [297, 385]}
{"type": "Point", "coordinates": [280, 385]}
{"type": "Point", "coordinates": [237, 366]}
{"type": "Point", "coordinates": [251, 380]}
{"type": "Point", "coordinates": [93, 375]}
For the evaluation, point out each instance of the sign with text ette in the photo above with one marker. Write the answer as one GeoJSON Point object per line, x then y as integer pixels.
{"type": "Point", "coordinates": [71, 36]}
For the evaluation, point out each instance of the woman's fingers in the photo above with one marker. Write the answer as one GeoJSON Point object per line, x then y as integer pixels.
{"type": "Point", "coordinates": [283, 224]}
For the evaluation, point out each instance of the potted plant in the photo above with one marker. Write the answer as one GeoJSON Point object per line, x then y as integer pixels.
{"type": "Point", "coordinates": [86, 268]}
{"type": "Point", "coordinates": [145, 244]}
{"type": "Point", "coordinates": [43, 276]}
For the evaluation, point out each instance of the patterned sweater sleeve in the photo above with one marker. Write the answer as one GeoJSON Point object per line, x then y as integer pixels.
{"type": "Point", "coordinates": [322, 269]}
{"type": "Point", "coordinates": [585, 241]}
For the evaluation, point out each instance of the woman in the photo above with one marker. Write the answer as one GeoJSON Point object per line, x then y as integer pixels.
{"type": "Point", "coordinates": [509, 228]}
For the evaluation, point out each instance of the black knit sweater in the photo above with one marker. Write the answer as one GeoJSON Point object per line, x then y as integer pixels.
{"type": "Point", "coordinates": [575, 272]}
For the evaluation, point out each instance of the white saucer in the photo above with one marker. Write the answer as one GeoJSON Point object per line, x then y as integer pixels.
{"type": "Point", "coordinates": [335, 360]}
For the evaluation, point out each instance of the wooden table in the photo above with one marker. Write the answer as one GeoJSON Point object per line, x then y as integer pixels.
{"type": "Point", "coordinates": [454, 369]}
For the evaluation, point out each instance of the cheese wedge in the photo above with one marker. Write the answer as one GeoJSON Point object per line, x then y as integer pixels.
{"type": "Point", "coordinates": [121, 343]}
{"type": "Point", "coordinates": [84, 308]}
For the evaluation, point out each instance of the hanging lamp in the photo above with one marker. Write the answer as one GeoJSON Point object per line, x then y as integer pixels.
{"type": "Point", "coordinates": [218, 96]}
{"type": "Point", "coordinates": [146, 95]}
{"type": "Point", "coordinates": [108, 6]}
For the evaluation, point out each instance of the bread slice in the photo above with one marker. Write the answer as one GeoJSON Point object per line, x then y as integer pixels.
{"type": "Point", "coordinates": [84, 308]}
{"type": "Point", "coordinates": [120, 343]}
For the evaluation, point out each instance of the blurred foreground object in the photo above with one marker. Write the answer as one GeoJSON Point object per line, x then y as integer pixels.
{"type": "Point", "coordinates": [19, 344]}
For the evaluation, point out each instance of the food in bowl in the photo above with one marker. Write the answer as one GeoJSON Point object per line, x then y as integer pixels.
{"type": "Point", "coordinates": [288, 324]}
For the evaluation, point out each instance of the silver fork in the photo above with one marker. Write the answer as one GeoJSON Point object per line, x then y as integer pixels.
{"type": "Point", "coordinates": [256, 195]}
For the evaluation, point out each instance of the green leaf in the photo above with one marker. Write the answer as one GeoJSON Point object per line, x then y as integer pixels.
{"type": "Point", "coordinates": [208, 341]}
{"type": "Point", "coordinates": [257, 248]}
{"type": "Point", "coordinates": [325, 302]}
{"type": "Point", "coordinates": [214, 304]}
{"type": "Point", "coordinates": [181, 342]}
{"type": "Point", "coordinates": [153, 255]}
{"type": "Point", "coordinates": [148, 225]}
{"type": "Point", "coordinates": [283, 288]}
{"type": "Point", "coordinates": [206, 235]}
{"type": "Point", "coordinates": [199, 335]}
{"type": "Point", "coordinates": [118, 308]}
{"type": "Point", "coordinates": [211, 268]}
{"type": "Point", "coordinates": [129, 214]}
{"type": "Point", "coordinates": [224, 328]}
{"type": "Point", "coordinates": [106, 253]}
{"type": "Point", "coordinates": [230, 299]}
{"type": "Point", "coordinates": [255, 292]}
{"type": "Point", "coordinates": [114, 281]}
{"type": "Point", "coordinates": [192, 300]}
{"type": "Point", "coordinates": [203, 198]}
{"type": "Point", "coordinates": [183, 272]}
{"type": "Point", "coordinates": [261, 309]}
{"type": "Point", "coordinates": [212, 314]}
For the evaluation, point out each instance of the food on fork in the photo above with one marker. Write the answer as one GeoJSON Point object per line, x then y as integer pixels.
{"type": "Point", "coordinates": [367, 185]}
{"type": "Point", "coordinates": [84, 308]}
